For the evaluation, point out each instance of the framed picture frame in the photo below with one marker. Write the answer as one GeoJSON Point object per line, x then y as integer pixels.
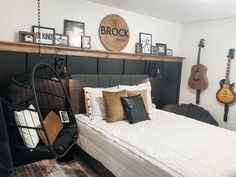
{"type": "Point", "coordinates": [74, 30]}
{"type": "Point", "coordinates": [138, 47]}
{"type": "Point", "coordinates": [146, 40]}
{"type": "Point", "coordinates": [64, 116]}
{"type": "Point", "coordinates": [169, 52]}
{"type": "Point", "coordinates": [61, 40]}
{"type": "Point", "coordinates": [28, 37]}
{"type": "Point", "coordinates": [46, 35]}
{"type": "Point", "coordinates": [161, 48]}
{"type": "Point", "coordinates": [86, 42]}
{"type": "Point", "coordinates": [154, 50]}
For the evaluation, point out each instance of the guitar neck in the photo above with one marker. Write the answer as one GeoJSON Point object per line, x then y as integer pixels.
{"type": "Point", "coordinates": [227, 72]}
{"type": "Point", "coordinates": [198, 56]}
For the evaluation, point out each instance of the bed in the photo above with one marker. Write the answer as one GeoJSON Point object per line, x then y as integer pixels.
{"type": "Point", "coordinates": [168, 145]}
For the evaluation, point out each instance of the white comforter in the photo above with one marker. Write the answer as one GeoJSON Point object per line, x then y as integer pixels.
{"type": "Point", "coordinates": [179, 146]}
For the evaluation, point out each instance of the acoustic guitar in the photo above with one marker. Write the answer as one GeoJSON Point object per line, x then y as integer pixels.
{"type": "Point", "coordinates": [226, 94]}
{"type": "Point", "coordinates": [198, 79]}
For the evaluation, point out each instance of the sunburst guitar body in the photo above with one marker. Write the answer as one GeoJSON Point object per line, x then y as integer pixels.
{"type": "Point", "coordinates": [225, 94]}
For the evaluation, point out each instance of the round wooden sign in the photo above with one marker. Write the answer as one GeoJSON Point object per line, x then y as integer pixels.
{"type": "Point", "coordinates": [114, 32]}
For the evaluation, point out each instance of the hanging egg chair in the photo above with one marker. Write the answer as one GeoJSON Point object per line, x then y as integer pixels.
{"type": "Point", "coordinates": [39, 116]}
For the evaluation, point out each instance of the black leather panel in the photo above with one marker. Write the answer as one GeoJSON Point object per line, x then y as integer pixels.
{"type": "Point", "coordinates": [135, 109]}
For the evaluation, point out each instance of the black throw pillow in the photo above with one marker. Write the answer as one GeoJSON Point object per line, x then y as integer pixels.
{"type": "Point", "coordinates": [135, 109]}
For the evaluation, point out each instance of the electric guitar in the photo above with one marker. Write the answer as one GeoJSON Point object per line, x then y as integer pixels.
{"type": "Point", "coordinates": [226, 94]}
{"type": "Point", "coordinates": [198, 79]}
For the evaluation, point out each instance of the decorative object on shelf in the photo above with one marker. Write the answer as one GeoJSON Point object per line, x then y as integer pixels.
{"type": "Point", "coordinates": [146, 40]}
{"type": "Point", "coordinates": [161, 48]}
{"type": "Point", "coordinates": [61, 40]}
{"type": "Point", "coordinates": [154, 71]}
{"type": "Point", "coordinates": [169, 52]}
{"type": "Point", "coordinates": [138, 47]}
{"type": "Point", "coordinates": [26, 37]}
{"type": "Point", "coordinates": [114, 32]}
{"type": "Point", "coordinates": [75, 30]}
{"type": "Point", "coordinates": [154, 50]}
{"type": "Point", "coordinates": [198, 79]}
{"type": "Point", "coordinates": [86, 42]}
{"type": "Point", "coordinates": [226, 94]}
{"type": "Point", "coordinates": [44, 35]}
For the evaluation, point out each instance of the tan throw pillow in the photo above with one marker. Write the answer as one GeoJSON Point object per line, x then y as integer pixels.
{"type": "Point", "coordinates": [113, 105]}
{"type": "Point", "coordinates": [143, 94]}
{"type": "Point", "coordinates": [53, 126]}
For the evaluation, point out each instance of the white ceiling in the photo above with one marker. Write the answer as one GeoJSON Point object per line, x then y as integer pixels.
{"type": "Point", "coordinates": [181, 11]}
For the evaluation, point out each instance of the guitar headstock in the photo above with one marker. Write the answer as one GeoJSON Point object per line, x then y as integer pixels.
{"type": "Point", "coordinates": [201, 43]}
{"type": "Point", "coordinates": [231, 53]}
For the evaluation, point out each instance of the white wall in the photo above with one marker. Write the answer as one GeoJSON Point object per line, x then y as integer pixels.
{"type": "Point", "coordinates": [21, 15]}
{"type": "Point", "coordinates": [220, 36]}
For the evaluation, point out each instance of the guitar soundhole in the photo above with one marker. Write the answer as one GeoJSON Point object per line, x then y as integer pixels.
{"type": "Point", "coordinates": [197, 76]}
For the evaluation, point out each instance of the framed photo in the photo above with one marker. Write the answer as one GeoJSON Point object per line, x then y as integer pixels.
{"type": "Point", "coordinates": [61, 40]}
{"type": "Point", "coordinates": [64, 116]}
{"type": "Point", "coordinates": [161, 48]}
{"type": "Point", "coordinates": [169, 52]}
{"type": "Point", "coordinates": [46, 35]}
{"type": "Point", "coordinates": [86, 42]}
{"type": "Point", "coordinates": [154, 50]}
{"type": "Point", "coordinates": [26, 37]}
{"type": "Point", "coordinates": [74, 30]}
{"type": "Point", "coordinates": [138, 47]}
{"type": "Point", "coordinates": [146, 41]}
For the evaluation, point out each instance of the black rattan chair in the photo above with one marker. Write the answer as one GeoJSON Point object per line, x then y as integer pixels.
{"type": "Point", "coordinates": [42, 88]}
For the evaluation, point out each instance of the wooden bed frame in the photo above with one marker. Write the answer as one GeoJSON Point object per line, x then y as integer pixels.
{"type": "Point", "coordinates": [77, 98]}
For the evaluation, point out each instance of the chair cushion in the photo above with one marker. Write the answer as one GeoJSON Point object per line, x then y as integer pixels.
{"type": "Point", "coordinates": [65, 138]}
{"type": "Point", "coordinates": [53, 125]}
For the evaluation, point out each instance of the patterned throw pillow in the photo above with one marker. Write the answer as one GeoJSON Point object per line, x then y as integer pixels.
{"type": "Point", "coordinates": [28, 118]}
{"type": "Point", "coordinates": [94, 102]}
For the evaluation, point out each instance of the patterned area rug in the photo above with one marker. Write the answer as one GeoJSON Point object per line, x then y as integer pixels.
{"type": "Point", "coordinates": [53, 168]}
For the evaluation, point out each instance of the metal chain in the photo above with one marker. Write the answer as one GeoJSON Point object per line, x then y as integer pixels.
{"type": "Point", "coordinates": [39, 31]}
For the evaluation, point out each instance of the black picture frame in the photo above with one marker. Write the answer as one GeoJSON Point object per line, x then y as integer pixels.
{"type": "Point", "coordinates": [46, 36]}
{"type": "Point", "coordinates": [146, 40]}
{"type": "Point", "coordinates": [27, 37]}
{"type": "Point", "coordinates": [161, 48]}
{"type": "Point", "coordinates": [154, 50]}
{"type": "Point", "coordinates": [138, 47]}
{"type": "Point", "coordinates": [169, 52]}
{"type": "Point", "coordinates": [86, 42]}
{"type": "Point", "coordinates": [61, 40]}
{"type": "Point", "coordinates": [64, 116]}
{"type": "Point", "coordinates": [74, 30]}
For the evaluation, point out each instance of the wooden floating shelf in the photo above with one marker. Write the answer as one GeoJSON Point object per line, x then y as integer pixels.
{"type": "Point", "coordinates": [70, 51]}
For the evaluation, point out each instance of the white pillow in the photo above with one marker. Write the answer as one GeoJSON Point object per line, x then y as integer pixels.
{"type": "Point", "coordinates": [94, 102]}
{"type": "Point", "coordinates": [143, 86]}
{"type": "Point", "coordinates": [30, 119]}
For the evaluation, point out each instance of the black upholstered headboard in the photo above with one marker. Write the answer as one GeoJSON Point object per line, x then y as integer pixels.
{"type": "Point", "coordinates": [79, 81]}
